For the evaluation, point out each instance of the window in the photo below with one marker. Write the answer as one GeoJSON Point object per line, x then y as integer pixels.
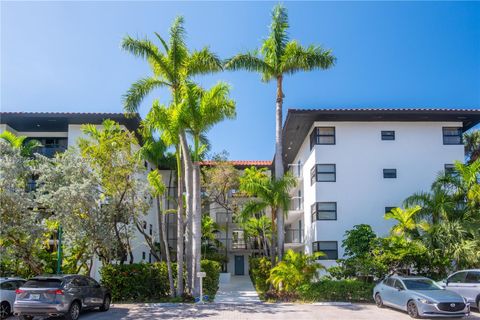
{"type": "Point", "coordinates": [322, 135]}
{"type": "Point", "coordinates": [143, 255]}
{"type": "Point", "coordinates": [452, 135]}
{"type": "Point", "coordinates": [330, 248]}
{"type": "Point", "coordinates": [149, 258]}
{"type": "Point", "coordinates": [388, 209]}
{"type": "Point", "coordinates": [323, 173]}
{"type": "Point", "coordinates": [324, 211]}
{"type": "Point", "coordinates": [449, 168]}
{"type": "Point", "coordinates": [389, 282]}
{"type": "Point", "coordinates": [473, 277]}
{"type": "Point", "coordinates": [8, 285]}
{"type": "Point", "coordinates": [458, 277]}
{"type": "Point", "coordinates": [388, 135]}
{"type": "Point", "coordinates": [398, 285]}
{"type": "Point", "coordinates": [390, 173]}
{"type": "Point", "coordinates": [144, 224]}
{"type": "Point", "coordinates": [150, 231]}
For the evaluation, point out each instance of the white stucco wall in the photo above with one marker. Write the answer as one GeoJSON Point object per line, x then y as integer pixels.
{"type": "Point", "coordinates": [361, 192]}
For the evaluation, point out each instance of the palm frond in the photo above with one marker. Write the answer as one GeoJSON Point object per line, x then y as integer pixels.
{"type": "Point", "coordinates": [273, 47]}
{"type": "Point", "coordinates": [138, 91]}
{"type": "Point", "coordinates": [297, 58]}
{"type": "Point", "coordinates": [203, 62]}
{"type": "Point", "coordinates": [250, 62]}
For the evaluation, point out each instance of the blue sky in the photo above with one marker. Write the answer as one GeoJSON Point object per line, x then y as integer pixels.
{"type": "Point", "coordinates": [66, 56]}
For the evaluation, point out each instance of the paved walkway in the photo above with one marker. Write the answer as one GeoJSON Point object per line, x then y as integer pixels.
{"type": "Point", "coordinates": [239, 290]}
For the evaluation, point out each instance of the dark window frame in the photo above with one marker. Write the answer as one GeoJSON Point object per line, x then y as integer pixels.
{"type": "Point", "coordinates": [459, 134]}
{"type": "Point", "coordinates": [449, 168]}
{"type": "Point", "coordinates": [315, 210]}
{"type": "Point", "coordinates": [315, 137]}
{"type": "Point", "coordinates": [390, 173]}
{"type": "Point", "coordinates": [388, 135]}
{"type": "Point", "coordinates": [314, 172]}
{"type": "Point", "coordinates": [316, 248]}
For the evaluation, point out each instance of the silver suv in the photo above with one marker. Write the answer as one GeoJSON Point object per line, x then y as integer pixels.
{"type": "Point", "coordinates": [466, 283]}
{"type": "Point", "coordinates": [64, 295]}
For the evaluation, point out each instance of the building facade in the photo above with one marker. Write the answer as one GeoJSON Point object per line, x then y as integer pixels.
{"type": "Point", "coordinates": [353, 166]}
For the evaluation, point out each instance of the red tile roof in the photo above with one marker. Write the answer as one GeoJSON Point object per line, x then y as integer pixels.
{"type": "Point", "coordinates": [241, 163]}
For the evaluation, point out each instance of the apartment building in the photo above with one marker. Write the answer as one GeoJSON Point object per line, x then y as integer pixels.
{"type": "Point", "coordinates": [57, 132]}
{"type": "Point", "coordinates": [354, 165]}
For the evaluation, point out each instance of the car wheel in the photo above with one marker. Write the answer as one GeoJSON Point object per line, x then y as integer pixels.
{"type": "Point", "coordinates": [106, 303]}
{"type": "Point", "coordinates": [73, 312]}
{"type": "Point", "coordinates": [5, 310]}
{"type": "Point", "coordinates": [378, 300]}
{"type": "Point", "coordinates": [412, 310]}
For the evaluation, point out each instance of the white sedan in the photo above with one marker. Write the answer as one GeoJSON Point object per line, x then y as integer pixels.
{"type": "Point", "coordinates": [7, 294]}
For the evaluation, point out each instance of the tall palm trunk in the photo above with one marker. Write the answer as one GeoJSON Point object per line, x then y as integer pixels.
{"type": "Point", "coordinates": [272, 244]}
{"type": "Point", "coordinates": [163, 249]}
{"type": "Point", "coordinates": [279, 165]}
{"type": "Point", "coordinates": [164, 240]}
{"type": "Point", "coordinates": [196, 229]}
{"type": "Point", "coordinates": [188, 165]}
{"type": "Point", "coordinates": [180, 228]}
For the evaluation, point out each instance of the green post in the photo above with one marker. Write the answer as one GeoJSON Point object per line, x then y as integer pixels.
{"type": "Point", "coordinates": [59, 251]}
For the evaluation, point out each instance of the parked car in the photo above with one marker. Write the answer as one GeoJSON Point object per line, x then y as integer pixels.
{"type": "Point", "coordinates": [7, 294]}
{"type": "Point", "coordinates": [64, 295]}
{"type": "Point", "coordinates": [466, 283]}
{"type": "Point", "coordinates": [420, 297]}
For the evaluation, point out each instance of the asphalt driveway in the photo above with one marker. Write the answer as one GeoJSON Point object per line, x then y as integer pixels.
{"type": "Point", "coordinates": [261, 311]}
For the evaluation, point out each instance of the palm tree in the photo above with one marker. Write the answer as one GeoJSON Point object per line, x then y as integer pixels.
{"type": "Point", "coordinates": [278, 57]}
{"type": "Point", "coordinates": [472, 145]}
{"type": "Point", "coordinates": [201, 109]}
{"type": "Point", "coordinates": [406, 221]}
{"type": "Point", "coordinates": [436, 205]}
{"type": "Point", "coordinates": [172, 67]}
{"type": "Point", "coordinates": [155, 180]}
{"type": "Point", "coordinates": [268, 193]}
{"type": "Point", "coordinates": [26, 147]}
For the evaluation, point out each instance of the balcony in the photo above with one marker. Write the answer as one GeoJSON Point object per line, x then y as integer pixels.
{"type": "Point", "coordinates": [295, 169]}
{"type": "Point", "coordinates": [295, 211]}
{"type": "Point", "coordinates": [50, 151]}
{"type": "Point", "coordinates": [293, 238]}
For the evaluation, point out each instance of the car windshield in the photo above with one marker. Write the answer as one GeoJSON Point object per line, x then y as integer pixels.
{"type": "Point", "coordinates": [43, 283]}
{"type": "Point", "coordinates": [421, 284]}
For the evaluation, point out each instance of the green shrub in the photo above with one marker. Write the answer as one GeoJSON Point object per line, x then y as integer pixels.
{"type": "Point", "coordinates": [341, 290]}
{"type": "Point", "coordinates": [141, 282]}
{"type": "Point", "coordinates": [259, 273]}
{"type": "Point", "coordinates": [210, 282]}
{"type": "Point", "coordinates": [137, 282]}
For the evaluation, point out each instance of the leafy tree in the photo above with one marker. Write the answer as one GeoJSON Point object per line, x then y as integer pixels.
{"type": "Point", "coordinates": [435, 206]}
{"type": "Point", "coordinates": [219, 181]}
{"type": "Point", "coordinates": [259, 229]}
{"type": "Point", "coordinates": [269, 193]}
{"type": "Point", "coordinates": [358, 241]}
{"type": "Point", "coordinates": [26, 147]}
{"type": "Point", "coordinates": [296, 269]}
{"type": "Point", "coordinates": [112, 153]}
{"type": "Point", "coordinates": [278, 57]}
{"type": "Point", "coordinates": [20, 232]}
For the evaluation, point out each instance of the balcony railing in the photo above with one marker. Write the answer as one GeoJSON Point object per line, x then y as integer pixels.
{"type": "Point", "coordinates": [50, 151]}
{"type": "Point", "coordinates": [293, 235]}
{"type": "Point", "coordinates": [296, 204]}
{"type": "Point", "coordinates": [295, 170]}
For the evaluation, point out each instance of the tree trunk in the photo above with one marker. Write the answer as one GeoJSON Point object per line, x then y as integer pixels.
{"type": "Point", "coordinates": [167, 252]}
{"type": "Point", "coordinates": [160, 230]}
{"type": "Point", "coordinates": [272, 244]}
{"type": "Point", "coordinates": [187, 160]}
{"type": "Point", "coordinates": [180, 230]}
{"type": "Point", "coordinates": [279, 165]}
{"type": "Point", "coordinates": [196, 229]}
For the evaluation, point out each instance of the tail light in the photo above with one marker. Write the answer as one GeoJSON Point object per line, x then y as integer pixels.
{"type": "Point", "coordinates": [18, 291]}
{"type": "Point", "coordinates": [56, 292]}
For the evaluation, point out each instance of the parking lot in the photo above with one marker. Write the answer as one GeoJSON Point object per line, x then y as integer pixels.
{"type": "Point", "coordinates": [262, 311]}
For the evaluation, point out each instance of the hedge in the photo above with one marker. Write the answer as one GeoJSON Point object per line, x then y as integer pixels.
{"type": "Point", "coordinates": [142, 282]}
{"type": "Point", "coordinates": [337, 290]}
